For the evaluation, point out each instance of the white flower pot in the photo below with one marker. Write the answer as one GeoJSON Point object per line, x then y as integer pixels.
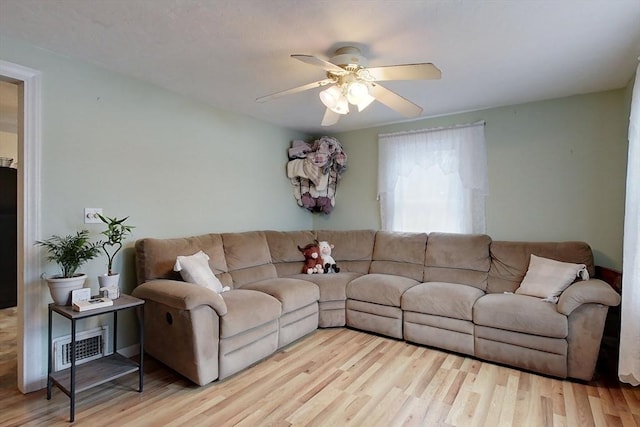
{"type": "Point", "coordinates": [109, 285]}
{"type": "Point", "coordinates": [61, 287]}
{"type": "Point", "coordinates": [106, 281]}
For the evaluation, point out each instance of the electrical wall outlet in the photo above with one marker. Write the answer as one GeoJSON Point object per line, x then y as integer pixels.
{"type": "Point", "coordinates": [91, 215]}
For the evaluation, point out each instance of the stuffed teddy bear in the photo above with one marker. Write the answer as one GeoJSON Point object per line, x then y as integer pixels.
{"type": "Point", "coordinates": [312, 259]}
{"type": "Point", "coordinates": [328, 261]}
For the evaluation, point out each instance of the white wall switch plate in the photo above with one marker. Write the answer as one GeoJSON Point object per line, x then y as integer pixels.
{"type": "Point", "coordinates": [90, 215]}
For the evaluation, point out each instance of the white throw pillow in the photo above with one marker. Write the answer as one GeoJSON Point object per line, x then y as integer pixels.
{"type": "Point", "coordinates": [195, 269]}
{"type": "Point", "coordinates": [547, 278]}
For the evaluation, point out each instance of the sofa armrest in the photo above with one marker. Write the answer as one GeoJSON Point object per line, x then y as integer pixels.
{"type": "Point", "coordinates": [180, 295]}
{"type": "Point", "coordinates": [592, 291]}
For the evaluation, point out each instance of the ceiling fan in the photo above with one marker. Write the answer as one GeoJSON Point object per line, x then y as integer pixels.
{"type": "Point", "coordinates": [350, 81]}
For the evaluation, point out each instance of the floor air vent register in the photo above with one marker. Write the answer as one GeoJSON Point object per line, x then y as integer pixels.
{"type": "Point", "coordinates": [90, 345]}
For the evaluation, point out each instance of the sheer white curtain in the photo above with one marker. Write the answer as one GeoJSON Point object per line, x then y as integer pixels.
{"type": "Point", "coordinates": [629, 363]}
{"type": "Point", "coordinates": [433, 179]}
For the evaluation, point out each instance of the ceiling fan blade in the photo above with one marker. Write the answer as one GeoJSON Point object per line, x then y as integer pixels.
{"type": "Point", "coordinates": [395, 101]}
{"type": "Point", "coordinates": [330, 118]}
{"type": "Point", "coordinates": [302, 88]}
{"type": "Point", "coordinates": [314, 60]}
{"type": "Point", "coordinates": [425, 71]}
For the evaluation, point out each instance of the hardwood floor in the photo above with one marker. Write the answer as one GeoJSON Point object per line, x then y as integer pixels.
{"type": "Point", "coordinates": [8, 342]}
{"type": "Point", "coordinates": [335, 377]}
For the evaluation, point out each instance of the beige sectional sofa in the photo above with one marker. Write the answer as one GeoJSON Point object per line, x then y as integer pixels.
{"type": "Point", "coordinates": [448, 291]}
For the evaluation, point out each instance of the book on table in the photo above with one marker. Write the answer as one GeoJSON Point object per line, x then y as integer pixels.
{"type": "Point", "coordinates": [92, 303]}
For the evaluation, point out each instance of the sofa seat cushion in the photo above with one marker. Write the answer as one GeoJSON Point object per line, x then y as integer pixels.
{"type": "Point", "coordinates": [520, 313]}
{"type": "Point", "coordinates": [442, 299]}
{"type": "Point", "coordinates": [292, 293]}
{"type": "Point", "coordinates": [247, 309]}
{"type": "Point", "coordinates": [383, 289]}
{"type": "Point", "coordinates": [333, 287]}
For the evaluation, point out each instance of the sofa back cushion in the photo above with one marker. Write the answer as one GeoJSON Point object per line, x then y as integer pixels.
{"type": "Point", "coordinates": [400, 254]}
{"type": "Point", "coordinates": [283, 245]}
{"type": "Point", "coordinates": [458, 258]}
{"type": "Point", "coordinates": [248, 257]}
{"type": "Point", "coordinates": [510, 260]}
{"type": "Point", "coordinates": [353, 249]}
{"type": "Point", "coordinates": [155, 258]}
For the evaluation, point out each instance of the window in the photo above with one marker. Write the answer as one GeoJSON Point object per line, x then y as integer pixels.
{"type": "Point", "coordinates": [433, 180]}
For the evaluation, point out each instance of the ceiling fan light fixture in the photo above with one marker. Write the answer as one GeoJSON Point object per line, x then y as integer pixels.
{"type": "Point", "coordinates": [357, 92]}
{"type": "Point", "coordinates": [349, 80]}
{"type": "Point", "coordinates": [333, 99]}
{"type": "Point", "coordinates": [342, 107]}
{"type": "Point", "coordinates": [365, 101]}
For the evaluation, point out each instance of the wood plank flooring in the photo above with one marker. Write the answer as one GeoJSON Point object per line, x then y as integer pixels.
{"type": "Point", "coordinates": [336, 377]}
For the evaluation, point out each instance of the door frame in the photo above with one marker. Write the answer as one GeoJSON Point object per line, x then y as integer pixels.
{"type": "Point", "coordinates": [31, 296]}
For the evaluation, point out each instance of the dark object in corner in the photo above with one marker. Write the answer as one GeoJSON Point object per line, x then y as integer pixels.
{"type": "Point", "coordinates": [8, 237]}
{"type": "Point", "coordinates": [611, 276]}
{"type": "Point", "coordinates": [610, 347]}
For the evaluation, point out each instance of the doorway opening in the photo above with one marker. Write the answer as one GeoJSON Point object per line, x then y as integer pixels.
{"type": "Point", "coordinates": [8, 194]}
{"type": "Point", "coordinates": [31, 300]}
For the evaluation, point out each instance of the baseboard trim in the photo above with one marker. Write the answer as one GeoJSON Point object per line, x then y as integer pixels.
{"type": "Point", "coordinates": [132, 350]}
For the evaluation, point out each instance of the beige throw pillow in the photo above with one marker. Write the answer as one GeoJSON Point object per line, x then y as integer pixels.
{"type": "Point", "coordinates": [195, 269]}
{"type": "Point", "coordinates": [547, 278]}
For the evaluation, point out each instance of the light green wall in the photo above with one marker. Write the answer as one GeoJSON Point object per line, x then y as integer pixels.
{"type": "Point", "coordinates": [178, 167]}
{"type": "Point", "coordinates": [556, 172]}
{"type": "Point", "coordinates": [175, 166]}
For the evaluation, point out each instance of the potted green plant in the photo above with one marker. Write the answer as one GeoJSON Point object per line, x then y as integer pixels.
{"type": "Point", "coordinates": [115, 234]}
{"type": "Point", "coordinates": [69, 252]}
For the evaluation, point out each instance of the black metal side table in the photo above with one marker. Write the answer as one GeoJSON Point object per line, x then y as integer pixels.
{"type": "Point", "coordinates": [95, 372]}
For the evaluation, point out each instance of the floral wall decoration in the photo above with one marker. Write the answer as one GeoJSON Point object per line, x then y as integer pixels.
{"type": "Point", "coordinates": [315, 169]}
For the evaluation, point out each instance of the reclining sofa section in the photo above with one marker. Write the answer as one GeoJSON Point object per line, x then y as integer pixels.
{"type": "Point", "coordinates": [448, 291]}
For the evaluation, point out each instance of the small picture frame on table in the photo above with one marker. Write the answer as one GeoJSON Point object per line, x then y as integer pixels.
{"type": "Point", "coordinates": [83, 294]}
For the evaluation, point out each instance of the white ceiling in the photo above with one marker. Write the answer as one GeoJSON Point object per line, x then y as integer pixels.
{"type": "Point", "coordinates": [229, 52]}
